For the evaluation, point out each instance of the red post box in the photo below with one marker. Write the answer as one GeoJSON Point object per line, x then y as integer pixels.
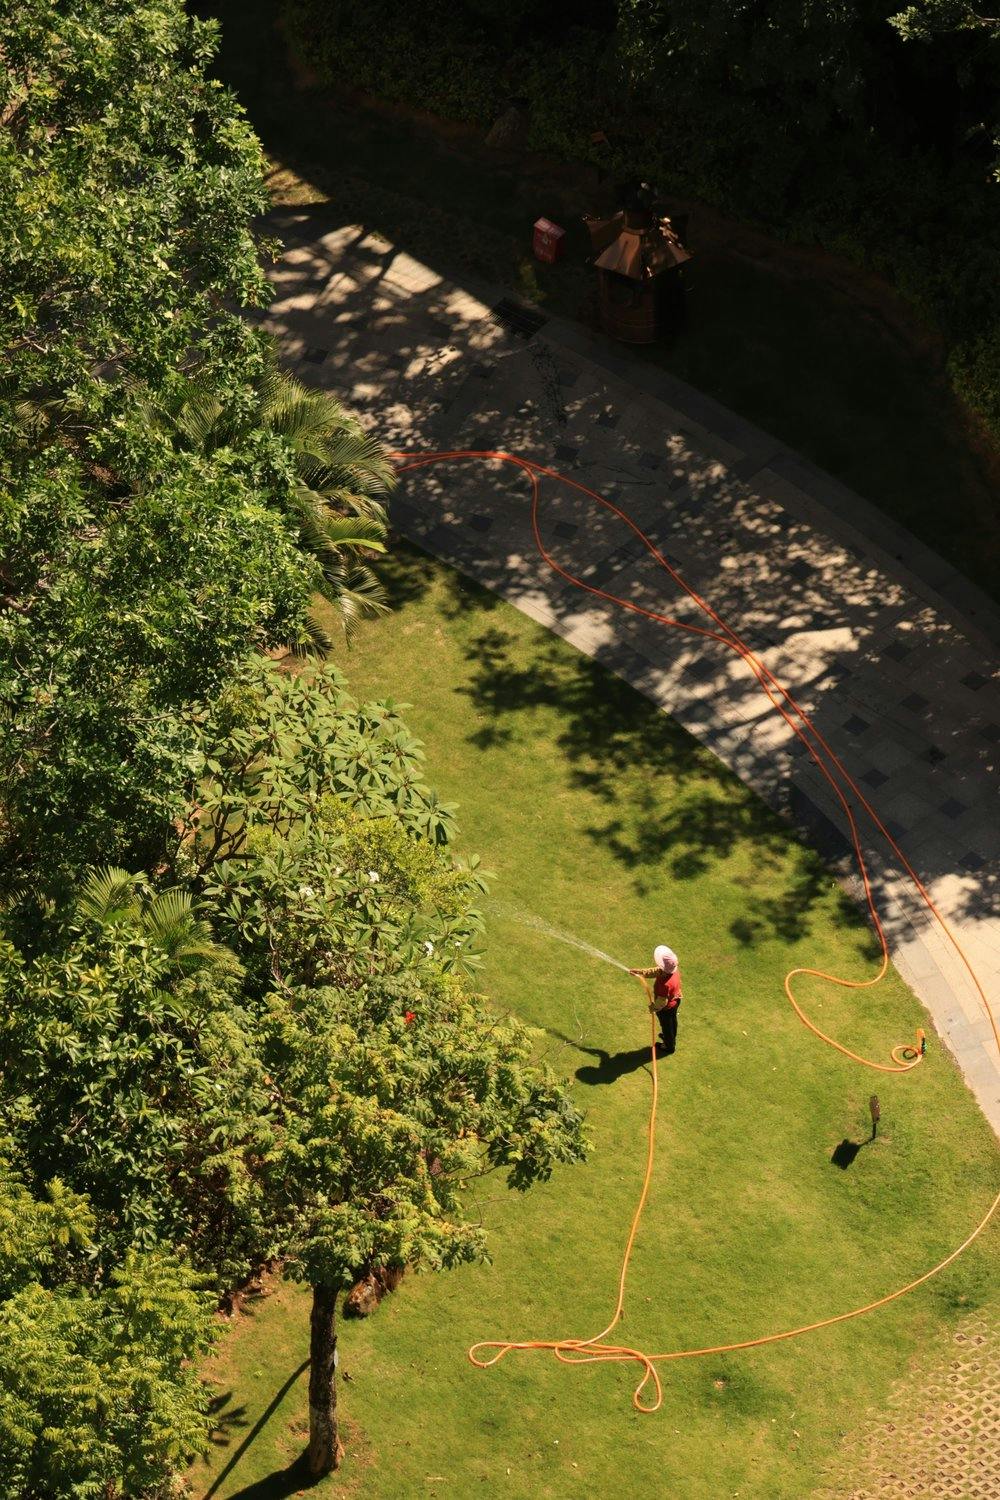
{"type": "Point", "coordinates": [547, 241]}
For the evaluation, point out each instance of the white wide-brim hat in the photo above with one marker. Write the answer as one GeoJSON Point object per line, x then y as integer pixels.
{"type": "Point", "coordinates": [665, 958]}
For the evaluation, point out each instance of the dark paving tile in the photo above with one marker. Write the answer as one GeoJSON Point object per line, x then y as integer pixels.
{"type": "Point", "coordinates": [483, 371]}
{"type": "Point", "coordinates": [566, 452]}
{"type": "Point", "coordinates": [602, 572]}
{"type": "Point", "coordinates": [441, 538]}
{"type": "Point", "coordinates": [897, 651]}
{"type": "Point", "coordinates": [953, 808]}
{"type": "Point", "coordinates": [567, 378]}
{"type": "Point", "coordinates": [480, 523]}
{"type": "Point", "coordinates": [699, 670]}
{"type": "Point", "coordinates": [821, 831]}
{"type": "Point", "coordinates": [934, 755]}
{"type": "Point", "coordinates": [747, 466]}
{"type": "Point", "coordinates": [990, 732]}
{"type": "Point", "coordinates": [566, 530]}
{"type": "Point", "coordinates": [397, 361]}
{"type": "Point", "coordinates": [801, 570]}
{"type": "Point", "coordinates": [856, 724]}
{"type": "Point", "coordinates": [650, 460]}
{"type": "Point", "coordinates": [609, 418]}
{"type": "Point", "coordinates": [971, 862]}
{"type": "Point", "coordinates": [915, 702]}
{"type": "Point", "coordinates": [974, 680]}
{"type": "Point", "coordinates": [624, 658]}
{"type": "Point", "coordinates": [783, 520]}
{"type": "Point", "coordinates": [875, 778]}
{"type": "Point", "coordinates": [315, 356]}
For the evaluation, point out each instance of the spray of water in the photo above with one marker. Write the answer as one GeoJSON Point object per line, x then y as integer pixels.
{"type": "Point", "coordinates": [538, 924]}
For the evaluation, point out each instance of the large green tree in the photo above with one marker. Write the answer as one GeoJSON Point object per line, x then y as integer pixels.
{"type": "Point", "coordinates": [142, 557]}
{"type": "Point", "coordinates": [324, 860]}
{"type": "Point", "coordinates": [278, 1053]}
{"type": "Point", "coordinates": [127, 1070]}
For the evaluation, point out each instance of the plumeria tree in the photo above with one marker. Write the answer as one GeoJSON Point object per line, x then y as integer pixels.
{"type": "Point", "coordinates": [324, 861]}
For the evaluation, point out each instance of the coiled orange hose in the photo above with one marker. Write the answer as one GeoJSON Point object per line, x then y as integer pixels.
{"type": "Point", "coordinates": [595, 1349]}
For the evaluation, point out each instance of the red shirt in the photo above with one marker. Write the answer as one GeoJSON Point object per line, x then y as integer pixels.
{"type": "Point", "coordinates": [668, 988]}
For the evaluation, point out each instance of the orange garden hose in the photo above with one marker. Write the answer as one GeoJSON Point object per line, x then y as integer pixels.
{"type": "Point", "coordinates": [904, 1058]}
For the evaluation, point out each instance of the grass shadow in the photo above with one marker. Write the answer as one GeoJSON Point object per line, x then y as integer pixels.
{"type": "Point", "coordinates": [251, 1437]}
{"type": "Point", "coordinates": [277, 1486]}
{"type": "Point", "coordinates": [845, 1153]}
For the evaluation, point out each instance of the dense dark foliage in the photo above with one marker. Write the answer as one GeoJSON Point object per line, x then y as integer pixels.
{"type": "Point", "coordinates": [868, 131]}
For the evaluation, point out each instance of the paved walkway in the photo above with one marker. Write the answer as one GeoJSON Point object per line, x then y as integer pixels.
{"type": "Point", "coordinates": [942, 1433]}
{"type": "Point", "coordinates": [892, 653]}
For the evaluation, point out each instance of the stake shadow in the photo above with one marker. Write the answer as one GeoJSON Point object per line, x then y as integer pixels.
{"type": "Point", "coordinates": [845, 1153]}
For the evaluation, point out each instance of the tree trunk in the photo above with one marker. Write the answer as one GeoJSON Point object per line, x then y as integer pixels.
{"type": "Point", "coordinates": [325, 1451]}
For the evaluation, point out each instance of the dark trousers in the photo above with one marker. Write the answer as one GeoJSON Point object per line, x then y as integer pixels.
{"type": "Point", "coordinates": [668, 1027]}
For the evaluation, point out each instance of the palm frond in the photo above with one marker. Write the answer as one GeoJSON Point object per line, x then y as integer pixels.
{"type": "Point", "coordinates": [353, 459]}
{"type": "Point", "coordinates": [107, 895]}
{"type": "Point", "coordinates": [168, 909]}
{"type": "Point", "coordinates": [355, 593]}
{"type": "Point", "coordinates": [317, 642]}
{"type": "Point", "coordinates": [197, 421]}
{"type": "Point", "coordinates": [171, 924]}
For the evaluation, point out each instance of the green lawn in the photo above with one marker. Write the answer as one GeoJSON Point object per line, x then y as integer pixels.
{"type": "Point", "coordinates": [821, 366]}
{"type": "Point", "coordinates": [602, 818]}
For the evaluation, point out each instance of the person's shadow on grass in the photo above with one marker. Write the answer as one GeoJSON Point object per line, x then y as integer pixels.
{"type": "Point", "coordinates": [610, 1066]}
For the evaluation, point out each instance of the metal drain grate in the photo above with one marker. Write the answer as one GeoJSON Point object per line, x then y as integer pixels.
{"type": "Point", "coordinates": [514, 317]}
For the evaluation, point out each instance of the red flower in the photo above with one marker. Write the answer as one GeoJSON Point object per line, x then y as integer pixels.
{"type": "Point", "coordinates": [411, 1015]}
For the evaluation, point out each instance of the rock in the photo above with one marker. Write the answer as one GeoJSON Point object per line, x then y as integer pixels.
{"type": "Point", "coordinates": [366, 1294]}
{"type": "Point", "coordinates": [509, 131]}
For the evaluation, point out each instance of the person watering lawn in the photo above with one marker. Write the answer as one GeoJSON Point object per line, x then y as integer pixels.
{"type": "Point", "coordinates": [666, 994]}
